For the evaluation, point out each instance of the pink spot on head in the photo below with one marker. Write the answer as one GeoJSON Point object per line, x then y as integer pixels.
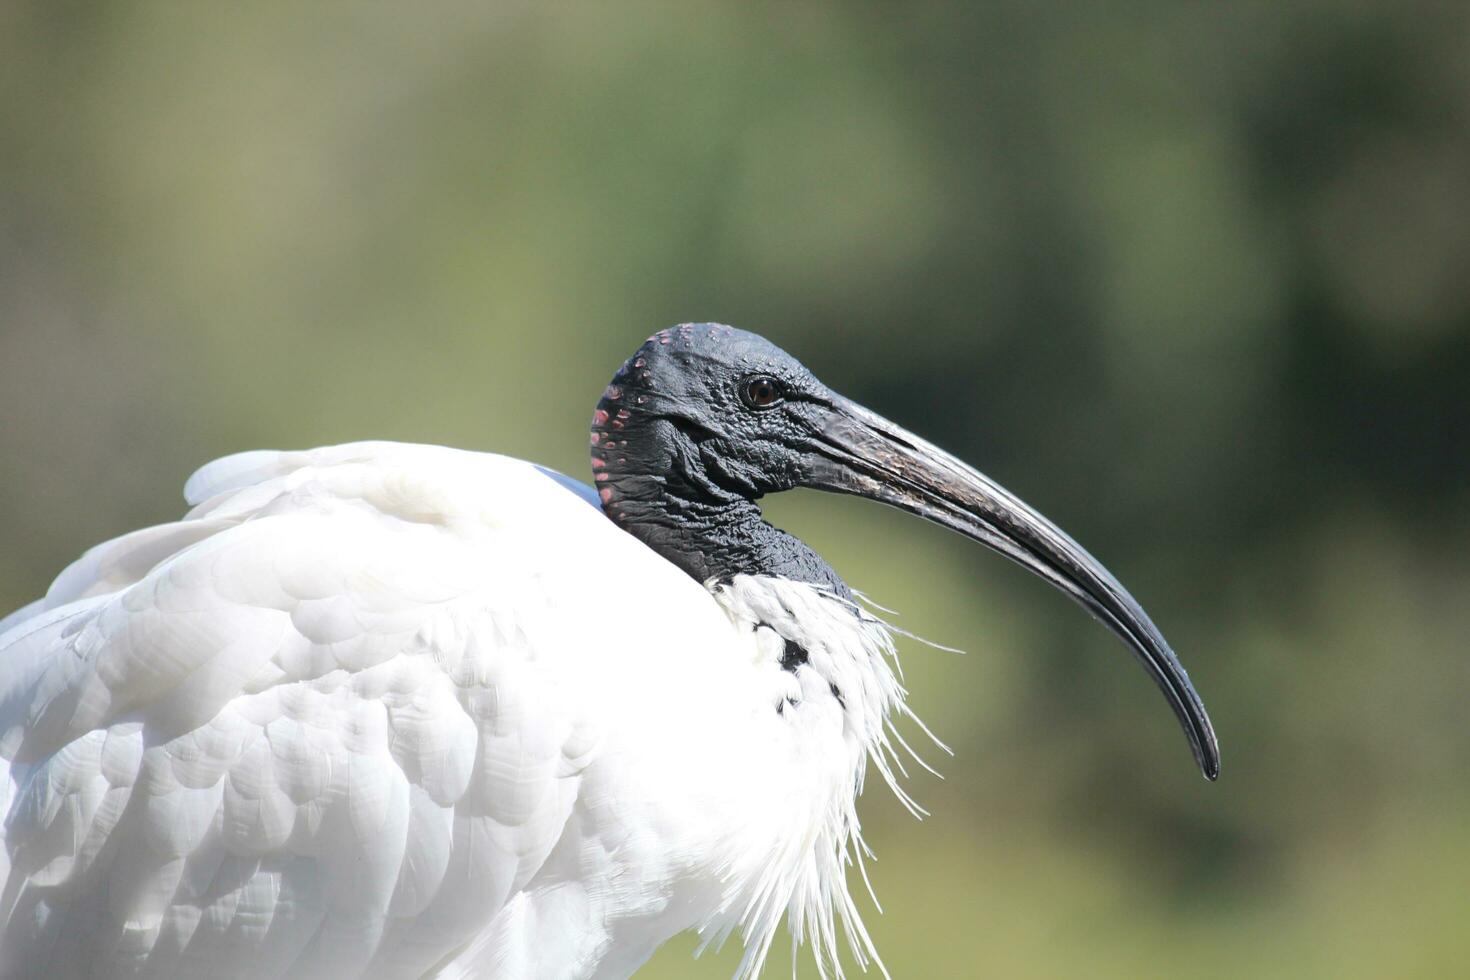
{"type": "Point", "coordinates": [639, 363]}
{"type": "Point", "coordinates": [596, 438]}
{"type": "Point", "coordinates": [605, 493]}
{"type": "Point", "coordinates": [598, 462]}
{"type": "Point", "coordinates": [664, 339]}
{"type": "Point", "coordinates": [617, 423]}
{"type": "Point", "coordinates": [613, 393]}
{"type": "Point", "coordinates": [599, 417]}
{"type": "Point", "coordinates": [602, 477]}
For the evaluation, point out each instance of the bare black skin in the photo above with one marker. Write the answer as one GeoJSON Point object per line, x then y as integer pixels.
{"type": "Point", "coordinates": [704, 419]}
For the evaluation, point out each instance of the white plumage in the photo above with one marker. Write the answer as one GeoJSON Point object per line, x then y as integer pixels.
{"type": "Point", "coordinates": [392, 710]}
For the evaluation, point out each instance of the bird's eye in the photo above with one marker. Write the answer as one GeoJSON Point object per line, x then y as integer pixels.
{"type": "Point", "coordinates": [761, 391]}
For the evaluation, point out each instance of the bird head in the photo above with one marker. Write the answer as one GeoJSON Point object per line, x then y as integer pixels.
{"type": "Point", "coordinates": [704, 419]}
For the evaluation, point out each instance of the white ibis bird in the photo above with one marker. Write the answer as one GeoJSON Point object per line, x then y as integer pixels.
{"type": "Point", "coordinates": [397, 711]}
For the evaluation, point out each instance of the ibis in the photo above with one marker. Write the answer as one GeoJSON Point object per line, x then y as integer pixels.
{"type": "Point", "coordinates": [390, 710]}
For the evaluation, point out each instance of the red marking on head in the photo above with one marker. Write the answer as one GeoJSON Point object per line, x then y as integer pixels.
{"type": "Point", "coordinates": [599, 417]}
{"type": "Point", "coordinates": [598, 462]}
{"type": "Point", "coordinates": [605, 493]}
{"type": "Point", "coordinates": [639, 363]}
{"type": "Point", "coordinates": [617, 423]}
{"type": "Point", "coordinates": [596, 438]}
{"type": "Point", "coordinates": [622, 413]}
{"type": "Point", "coordinates": [613, 393]}
{"type": "Point", "coordinates": [602, 477]}
{"type": "Point", "coordinates": [664, 339]}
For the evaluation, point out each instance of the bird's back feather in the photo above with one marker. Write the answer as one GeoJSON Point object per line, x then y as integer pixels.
{"type": "Point", "coordinates": [331, 723]}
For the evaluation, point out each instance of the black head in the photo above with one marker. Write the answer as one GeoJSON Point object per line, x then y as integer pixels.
{"type": "Point", "coordinates": [697, 425]}
{"type": "Point", "coordinates": [704, 419]}
{"type": "Point", "coordinates": [713, 413]}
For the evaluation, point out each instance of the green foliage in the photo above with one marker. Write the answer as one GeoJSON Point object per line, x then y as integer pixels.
{"type": "Point", "coordinates": [1189, 278]}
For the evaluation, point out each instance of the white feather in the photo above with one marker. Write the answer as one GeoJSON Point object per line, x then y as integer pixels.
{"type": "Point", "coordinates": [391, 710]}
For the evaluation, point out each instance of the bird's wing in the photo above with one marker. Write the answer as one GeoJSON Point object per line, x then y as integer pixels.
{"type": "Point", "coordinates": [329, 722]}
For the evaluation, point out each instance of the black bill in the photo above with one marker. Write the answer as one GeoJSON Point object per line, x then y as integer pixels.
{"type": "Point", "coordinates": [865, 454]}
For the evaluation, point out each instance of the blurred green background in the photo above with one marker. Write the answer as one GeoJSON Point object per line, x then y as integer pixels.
{"type": "Point", "coordinates": [1191, 278]}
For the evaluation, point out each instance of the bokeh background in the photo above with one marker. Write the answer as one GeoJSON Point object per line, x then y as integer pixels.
{"type": "Point", "coordinates": [1192, 278]}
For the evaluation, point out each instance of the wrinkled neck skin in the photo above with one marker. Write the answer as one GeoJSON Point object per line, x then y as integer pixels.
{"type": "Point", "coordinates": [660, 484]}
{"type": "Point", "coordinates": [714, 538]}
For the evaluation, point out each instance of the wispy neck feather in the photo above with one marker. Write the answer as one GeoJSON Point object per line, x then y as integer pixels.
{"type": "Point", "coordinates": [848, 688]}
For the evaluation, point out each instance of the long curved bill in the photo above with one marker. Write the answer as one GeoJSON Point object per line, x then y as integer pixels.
{"type": "Point", "coordinates": [863, 453]}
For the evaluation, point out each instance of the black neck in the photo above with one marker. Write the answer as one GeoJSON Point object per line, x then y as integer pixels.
{"type": "Point", "coordinates": [659, 483]}
{"type": "Point", "coordinates": [712, 538]}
